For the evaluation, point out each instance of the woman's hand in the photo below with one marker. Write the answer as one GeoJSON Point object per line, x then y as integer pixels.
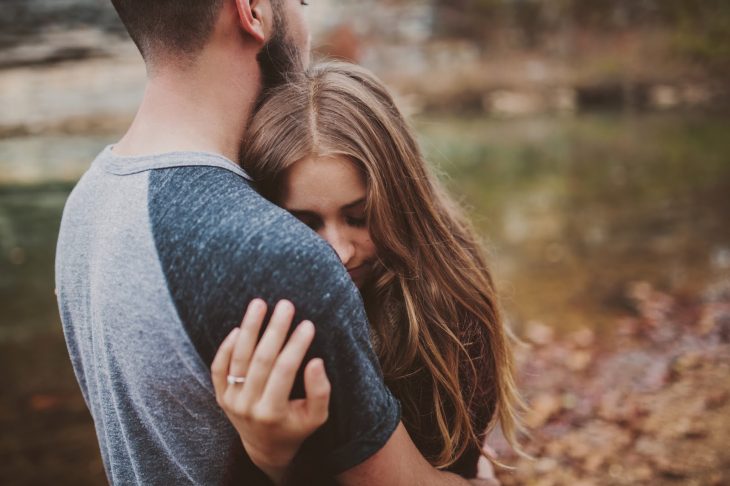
{"type": "Point", "coordinates": [272, 428]}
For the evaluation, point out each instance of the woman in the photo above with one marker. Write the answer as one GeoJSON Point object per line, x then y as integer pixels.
{"type": "Point", "coordinates": [435, 321]}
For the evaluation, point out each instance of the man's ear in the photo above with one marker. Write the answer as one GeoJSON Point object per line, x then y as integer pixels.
{"type": "Point", "coordinates": [251, 17]}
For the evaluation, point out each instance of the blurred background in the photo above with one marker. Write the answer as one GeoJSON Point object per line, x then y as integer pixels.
{"type": "Point", "coordinates": [590, 141]}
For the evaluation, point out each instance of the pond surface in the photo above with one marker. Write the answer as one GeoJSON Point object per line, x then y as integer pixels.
{"type": "Point", "coordinates": [573, 210]}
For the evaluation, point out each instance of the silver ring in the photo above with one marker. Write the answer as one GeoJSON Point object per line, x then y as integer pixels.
{"type": "Point", "coordinates": [236, 380]}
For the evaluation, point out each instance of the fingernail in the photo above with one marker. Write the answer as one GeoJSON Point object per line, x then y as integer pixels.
{"type": "Point", "coordinates": [285, 305]}
{"type": "Point", "coordinates": [320, 365]}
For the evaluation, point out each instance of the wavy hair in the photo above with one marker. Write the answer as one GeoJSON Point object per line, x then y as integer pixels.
{"type": "Point", "coordinates": [436, 325]}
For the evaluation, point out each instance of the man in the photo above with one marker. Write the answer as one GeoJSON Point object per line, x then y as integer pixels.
{"type": "Point", "coordinates": [163, 243]}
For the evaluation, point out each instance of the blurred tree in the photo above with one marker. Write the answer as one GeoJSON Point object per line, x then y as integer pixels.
{"type": "Point", "coordinates": [615, 14]}
{"type": "Point", "coordinates": [472, 19]}
{"type": "Point", "coordinates": [701, 32]}
{"type": "Point", "coordinates": [699, 29]}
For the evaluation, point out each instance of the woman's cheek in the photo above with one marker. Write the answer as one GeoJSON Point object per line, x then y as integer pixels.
{"type": "Point", "coordinates": [369, 249]}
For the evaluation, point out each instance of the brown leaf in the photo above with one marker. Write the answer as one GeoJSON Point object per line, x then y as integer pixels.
{"type": "Point", "coordinates": [543, 407]}
{"type": "Point", "coordinates": [539, 333]}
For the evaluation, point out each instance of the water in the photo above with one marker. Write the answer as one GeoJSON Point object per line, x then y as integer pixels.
{"type": "Point", "coordinates": [47, 435]}
{"type": "Point", "coordinates": [38, 173]}
{"type": "Point", "coordinates": [575, 210]}
{"type": "Point", "coordinates": [572, 209]}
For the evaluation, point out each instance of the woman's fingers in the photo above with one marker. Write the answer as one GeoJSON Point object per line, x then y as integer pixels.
{"type": "Point", "coordinates": [266, 353]}
{"type": "Point", "coordinates": [222, 361]}
{"type": "Point", "coordinates": [270, 371]}
{"type": "Point", "coordinates": [246, 341]}
{"type": "Point", "coordinates": [317, 387]}
{"type": "Point", "coordinates": [277, 391]}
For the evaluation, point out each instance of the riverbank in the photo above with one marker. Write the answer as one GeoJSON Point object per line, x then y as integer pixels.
{"type": "Point", "coordinates": [647, 404]}
{"type": "Point", "coordinates": [90, 80]}
{"type": "Point", "coordinates": [84, 96]}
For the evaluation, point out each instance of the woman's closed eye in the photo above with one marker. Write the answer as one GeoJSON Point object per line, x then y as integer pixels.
{"type": "Point", "coordinates": [357, 222]}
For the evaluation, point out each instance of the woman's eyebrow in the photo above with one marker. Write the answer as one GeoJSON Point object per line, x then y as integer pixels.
{"type": "Point", "coordinates": [305, 212]}
{"type": "Point", "coordinates": [302, 212]}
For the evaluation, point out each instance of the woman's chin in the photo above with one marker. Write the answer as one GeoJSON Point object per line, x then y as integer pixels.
{"type": "Point", "coordinates": [360, 275]}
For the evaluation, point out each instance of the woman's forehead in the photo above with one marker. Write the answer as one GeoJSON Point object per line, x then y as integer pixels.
{"type": "Point", "coordinates": [324, 182]}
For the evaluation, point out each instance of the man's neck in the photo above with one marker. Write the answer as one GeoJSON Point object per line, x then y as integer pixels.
{"type": "Point", "coordinates": [201, 109]}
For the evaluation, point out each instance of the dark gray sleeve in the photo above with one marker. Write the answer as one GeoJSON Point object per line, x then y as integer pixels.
{"type": "Point", "coordinates": [363, 412]}
{"type": "Point", "coordinates": [220, 246]}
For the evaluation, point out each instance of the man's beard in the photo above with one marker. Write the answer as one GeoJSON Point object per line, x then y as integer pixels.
{"type": "Point", "coordinates": [279, 59]}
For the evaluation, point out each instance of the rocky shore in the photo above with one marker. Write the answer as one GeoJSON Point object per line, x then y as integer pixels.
{"type": "Point", "coordinates": [67, 67]}
{"type": "Point", "coordinates": [646, 404]}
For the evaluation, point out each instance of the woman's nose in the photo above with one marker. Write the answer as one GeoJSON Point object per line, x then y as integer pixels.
{"type": "Point", "coordinates": [342, 245]}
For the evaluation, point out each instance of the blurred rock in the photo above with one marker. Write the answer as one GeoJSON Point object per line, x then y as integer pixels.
{"type": "Point", "coordinates": [513, 103]}
{"type": "Point", "coordinates": [664, 96]}
{"type": "Point", "coordinates": [716, 399]}
{"type": "Point", "coordinates": [74, 93]}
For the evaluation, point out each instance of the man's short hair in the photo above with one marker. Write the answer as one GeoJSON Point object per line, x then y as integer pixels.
{"type": "Point", "coordinates": [175, 28]}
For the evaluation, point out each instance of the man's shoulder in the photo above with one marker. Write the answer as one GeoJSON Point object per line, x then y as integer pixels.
{"type": "Point", "coordinates": [200, 188]}
{"type": "Point", "coordinates": [220, 244]}
{"type": "Point", "coordinates": [218, 215]}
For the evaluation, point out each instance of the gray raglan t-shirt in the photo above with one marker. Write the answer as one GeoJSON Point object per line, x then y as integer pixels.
{"type": "Point", "coordinates": [156, 262]}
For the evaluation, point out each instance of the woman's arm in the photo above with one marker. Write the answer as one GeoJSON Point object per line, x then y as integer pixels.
{"type": "Point", "coordinates": [400, 463]}
{"type": "Point", "coordinates": [272, 427]}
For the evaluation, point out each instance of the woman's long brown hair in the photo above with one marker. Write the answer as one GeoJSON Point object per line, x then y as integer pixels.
{"type": "Point", "coordinates": [436, 323]}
